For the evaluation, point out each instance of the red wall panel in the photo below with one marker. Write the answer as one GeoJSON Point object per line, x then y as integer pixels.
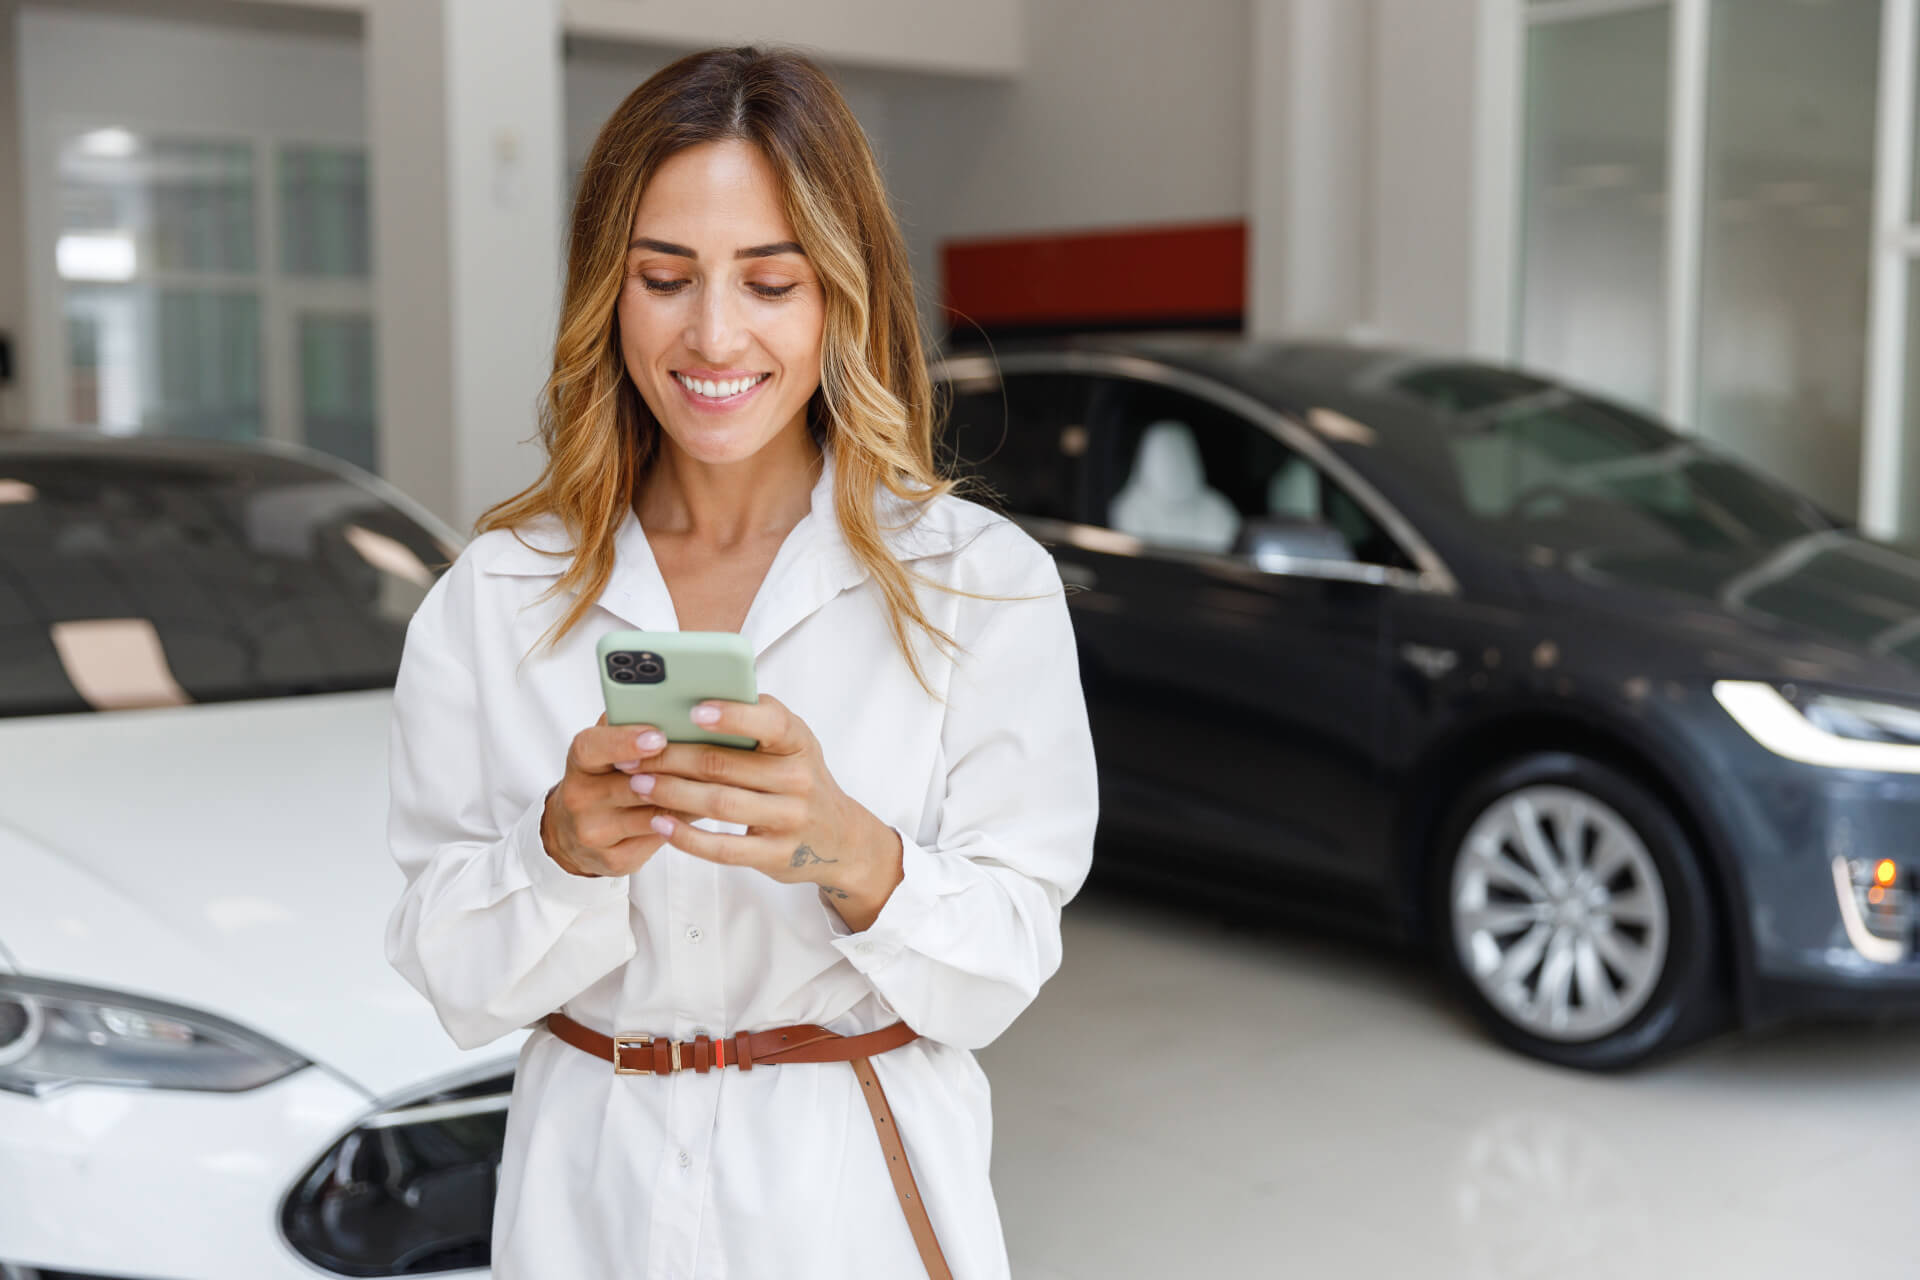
{"type": "Point", "coordinates": [1148, 276]}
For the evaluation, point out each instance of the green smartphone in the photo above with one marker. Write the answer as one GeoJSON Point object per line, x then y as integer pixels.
{"type": "Point", "coordinates": [658, 677]}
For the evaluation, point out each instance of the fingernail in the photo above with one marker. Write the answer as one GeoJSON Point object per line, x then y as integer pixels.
{"type": "Point", "coordinates": [663, 825]}
{"type": "Point", "coordinates": [642, 782]}
{"type": "Point", "coordinates": [651, 740]}
{"type": "Point", "coordinates": [627, 766]}
{"type": "Point", "coordinates": [706, 715]}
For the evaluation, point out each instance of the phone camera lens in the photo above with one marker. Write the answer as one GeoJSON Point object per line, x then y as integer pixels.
{"type": "Point", "coordinates": [621, 659]}
{"type": "Point", "coordinates": [624, 675]}
{"type": "Point", "coordinates": [651, 670]}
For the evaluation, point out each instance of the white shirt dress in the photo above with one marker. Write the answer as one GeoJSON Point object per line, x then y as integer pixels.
{"type": "Point", "coordinates": [776, 1172]}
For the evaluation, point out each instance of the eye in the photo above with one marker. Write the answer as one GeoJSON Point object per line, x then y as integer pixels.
{"type": "Point", "coordinates": [663, 287]}
{"type": "Point", "coordinates": [773, 291]}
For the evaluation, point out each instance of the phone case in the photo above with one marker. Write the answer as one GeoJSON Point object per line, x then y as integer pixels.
{"type": "Point", "coordinates": [658, 677]}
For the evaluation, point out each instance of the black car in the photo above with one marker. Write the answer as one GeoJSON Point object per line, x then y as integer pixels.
{"type": "Point", "coordinates": [1630, 731]}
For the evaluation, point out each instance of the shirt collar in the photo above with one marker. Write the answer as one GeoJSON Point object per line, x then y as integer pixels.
{"type": "Point", "coordinates": [813, 565]}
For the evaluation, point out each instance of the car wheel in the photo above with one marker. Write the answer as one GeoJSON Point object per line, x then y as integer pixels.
{"type": "Point", "coordinates": [1573, 914]}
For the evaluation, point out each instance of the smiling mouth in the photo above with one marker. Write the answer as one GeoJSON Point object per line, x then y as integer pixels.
{"type": "Point", "coordinates": [723, 389]}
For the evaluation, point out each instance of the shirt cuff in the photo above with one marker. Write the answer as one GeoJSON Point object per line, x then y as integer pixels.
{"type": "Point", "coordinates": [548, 878]}
{"type": "Point", "coordinates": [899, 920]}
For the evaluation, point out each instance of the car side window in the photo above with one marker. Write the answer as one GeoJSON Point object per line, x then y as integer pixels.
{"type": "Point", "coordinates": [1183, 473]}
{"type": "Point", "coordinates": [1022, 436]}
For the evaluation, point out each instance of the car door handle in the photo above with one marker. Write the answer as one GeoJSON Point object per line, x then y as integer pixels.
{"type": "Point", "coordinates": [1077, 575]}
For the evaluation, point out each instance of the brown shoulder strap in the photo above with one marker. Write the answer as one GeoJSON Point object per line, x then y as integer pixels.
{"type": "Point", "coordinates": [903, 1184]}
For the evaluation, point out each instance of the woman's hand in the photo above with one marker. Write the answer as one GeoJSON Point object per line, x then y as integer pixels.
{"type": "Point", "coordinates": [801, 827]}
{"type": "Point", "coordinates": [594, 823]}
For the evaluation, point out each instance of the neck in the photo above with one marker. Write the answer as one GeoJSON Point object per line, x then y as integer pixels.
{"type": "Point", "coordinates": [723, 504]}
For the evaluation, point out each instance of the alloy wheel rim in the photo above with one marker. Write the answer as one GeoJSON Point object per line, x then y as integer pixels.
{"type": "Point", "coordinates": [1559, 913]}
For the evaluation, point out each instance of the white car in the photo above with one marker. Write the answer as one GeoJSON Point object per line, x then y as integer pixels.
{"type": "Point", "coordinates": [207, 1068]}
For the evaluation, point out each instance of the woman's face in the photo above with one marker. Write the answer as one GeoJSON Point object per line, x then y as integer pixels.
{"type": "Point", "coordinates": [721, 315]}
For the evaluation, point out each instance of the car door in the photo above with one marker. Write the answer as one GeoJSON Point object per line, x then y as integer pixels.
{"type": "Point", "coordinates": [1236, 708]}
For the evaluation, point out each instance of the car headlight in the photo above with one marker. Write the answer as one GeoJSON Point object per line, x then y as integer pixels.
{"type": "Point", "coordinates": [55, 1034]}
{"type": "Point", "coordinates": [1832, 730]}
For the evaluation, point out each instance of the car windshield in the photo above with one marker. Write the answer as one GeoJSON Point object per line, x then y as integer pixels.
{"type": "Point", "coordinates": [1541, 466]}
{"type": "Point", "coordinates": [153, 579]}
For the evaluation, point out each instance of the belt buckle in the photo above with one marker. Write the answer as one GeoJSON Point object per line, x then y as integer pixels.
{"type": "Point", "coordinates": [640, 1042]}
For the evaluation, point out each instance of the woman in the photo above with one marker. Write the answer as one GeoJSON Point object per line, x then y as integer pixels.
{"type": "Point", "coordinates": [739, 438]}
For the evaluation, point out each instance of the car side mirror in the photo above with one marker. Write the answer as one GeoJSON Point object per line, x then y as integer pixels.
{"type": "Point", "coordinates": [1274, 542]}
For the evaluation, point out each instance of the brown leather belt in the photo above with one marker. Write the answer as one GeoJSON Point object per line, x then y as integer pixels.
{"type": "Point", "coordinates": [633, 1055]}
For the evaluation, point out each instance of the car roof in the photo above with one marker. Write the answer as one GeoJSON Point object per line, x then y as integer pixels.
{"type": "Point", "coordinates": [1404, 433]}
{"type": "Point", "coordinates": [247, 462]}
{"type": "Point", "coordinates": [86, 443]}
{"type": "Point", "coordinates": [1294, 374]}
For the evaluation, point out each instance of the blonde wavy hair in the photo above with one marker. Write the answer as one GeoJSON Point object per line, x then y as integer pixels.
{"type": "Point", "coordinates": [874, 405]}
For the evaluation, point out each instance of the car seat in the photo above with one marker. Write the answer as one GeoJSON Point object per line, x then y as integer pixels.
{"type": "Point", "coordinates": [1166, 500]}
{"type": "Point", "coordinates": [1294, 490]}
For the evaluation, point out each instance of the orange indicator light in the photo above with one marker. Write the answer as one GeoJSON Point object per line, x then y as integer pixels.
{"type": "Point", "coordinates": [1886, 872]}
{"type": "Point", "coordinates": [1876, 895]}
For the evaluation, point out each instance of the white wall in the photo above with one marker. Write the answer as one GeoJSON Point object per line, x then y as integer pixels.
{"type": "Point", "coordinates": [1127, 112]}
{"type": "Point", "coordinates": [1426, 63]}
{"type": "Point", "coordinates": [466, 146]}
{"type": "Point", "coordinates": [600, 74]}
{"type": "Point", "coordinates": [1310, 168]}
{"type": "Point", "coordinates": [1383, 140]}
{"type": "Point", "coordinates": [980, 37]}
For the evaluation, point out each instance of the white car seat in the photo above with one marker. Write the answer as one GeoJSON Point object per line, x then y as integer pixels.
{"type": "Point", "coordinates": [1294, 490]}
{"type": "Point", "coordinates": [1166, 499]}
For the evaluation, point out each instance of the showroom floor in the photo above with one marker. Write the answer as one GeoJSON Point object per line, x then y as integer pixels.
{"type": "Point", "coordinates": [1191, 1092]}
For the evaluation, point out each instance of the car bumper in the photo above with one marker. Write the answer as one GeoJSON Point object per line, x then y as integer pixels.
{"type": "Point", "coordinates": [161, 1184]}
{"type": "Point", "coordinates": [1787, 826]}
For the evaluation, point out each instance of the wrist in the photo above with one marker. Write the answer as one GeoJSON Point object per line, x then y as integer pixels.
{"type": "Point", "coordinates": [882, 869]}
{"type": "Point", "coordinates": [548, 843]}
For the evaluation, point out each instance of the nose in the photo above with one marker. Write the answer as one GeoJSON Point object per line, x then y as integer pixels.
{"type": "Point", "coordinates": [715, 330]}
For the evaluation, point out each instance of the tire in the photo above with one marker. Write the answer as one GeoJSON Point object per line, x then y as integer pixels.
{"type": "Point", "coordinates": [1572, 914]}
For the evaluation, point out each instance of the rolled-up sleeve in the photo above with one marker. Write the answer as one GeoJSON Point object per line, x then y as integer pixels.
{"type": "Point", "coordinates": [973, 929]}
{"type": "Point", "coordinates": [489, 928]}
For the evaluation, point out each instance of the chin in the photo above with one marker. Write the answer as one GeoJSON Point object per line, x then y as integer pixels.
{"type": "Point", "coordinates": [719, 445]}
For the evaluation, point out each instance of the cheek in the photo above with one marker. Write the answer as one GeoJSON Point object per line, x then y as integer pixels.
{"type": "Point", "coordinates": [799, 336]}
{"type": "Point", "coordinates": [644, 326]}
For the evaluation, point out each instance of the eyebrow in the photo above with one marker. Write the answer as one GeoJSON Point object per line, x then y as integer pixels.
{"type": "Point", "coordinates": [681, 251]}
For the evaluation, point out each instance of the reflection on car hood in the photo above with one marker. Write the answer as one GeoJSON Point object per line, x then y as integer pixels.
{"type": "Point", "coordinates": [1848, 602]}
{"type": "Point", "coordinates": [229, 857]}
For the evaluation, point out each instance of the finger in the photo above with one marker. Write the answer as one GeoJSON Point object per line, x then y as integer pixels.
{"type": "Point", "coordinates": [604, 747]}
{"type": "Point", "coordinates": [735, 766]}
{"type": "Point", "coordinates": [768, 722]}
{"type": "Point", "coordinates": [615, 790]}
{"type": "Point", "coordinates": [601, 829]}
{"type": "Point", "coordinates": [721, 803]}
{"type": "Point", "coordinates": [712, 846]}
{"type": "Point", "coordinates": [634, 852]}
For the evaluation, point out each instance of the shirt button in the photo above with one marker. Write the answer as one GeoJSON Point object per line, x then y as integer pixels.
{"type": "Point", "coordinates": [693, 933]}
{"type": "Point", "coordinates": [864, 948]}
{"type": "Point", "coordinates": [686, 1161]}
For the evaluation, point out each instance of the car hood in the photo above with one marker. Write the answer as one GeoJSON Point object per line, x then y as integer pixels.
{"type": "Point", "coordinates": [1830, 606]}
{"type": "Point", "coordinates": [230, 857]}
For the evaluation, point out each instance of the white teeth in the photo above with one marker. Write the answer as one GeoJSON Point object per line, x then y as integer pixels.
{"type": "Point", "coordinates": [718, 390]}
